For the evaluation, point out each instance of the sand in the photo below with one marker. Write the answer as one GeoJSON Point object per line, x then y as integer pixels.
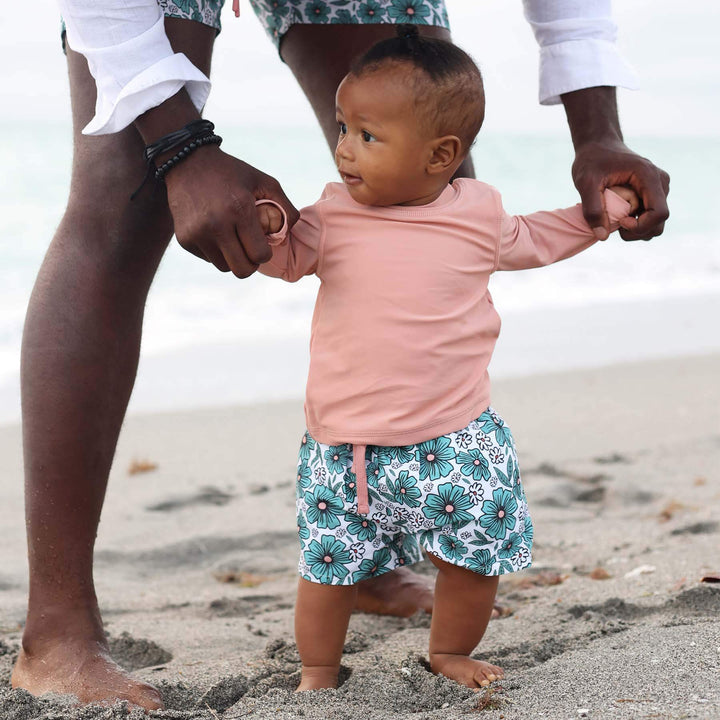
{"type": "Point", "coordinates": [195, 564]}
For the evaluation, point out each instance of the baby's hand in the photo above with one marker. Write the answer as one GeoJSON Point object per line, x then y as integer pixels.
{"type": "Point", "coordinates": [270, 217]}
{"type": "Point", "coordinates": [628, 194]}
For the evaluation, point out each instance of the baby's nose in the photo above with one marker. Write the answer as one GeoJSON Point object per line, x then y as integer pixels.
{"type": "Point", "coordinates": [344, 149]}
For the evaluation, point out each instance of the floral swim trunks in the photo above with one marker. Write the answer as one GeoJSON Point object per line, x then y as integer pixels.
{"type": "Point", "coordinates": [458, 496]}
{"type": "Point", "coordinates": [277, 16]}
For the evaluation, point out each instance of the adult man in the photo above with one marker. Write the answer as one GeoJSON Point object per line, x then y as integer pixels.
{"type": "Point", "coordinates": [82, 335]}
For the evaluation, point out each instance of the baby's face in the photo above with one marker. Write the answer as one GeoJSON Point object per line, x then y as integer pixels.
{"type": "Point", "coordinates": [382, 152]}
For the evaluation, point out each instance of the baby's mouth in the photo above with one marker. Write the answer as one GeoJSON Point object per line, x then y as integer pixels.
{"type": "Point", "coordinates": [349, 178]}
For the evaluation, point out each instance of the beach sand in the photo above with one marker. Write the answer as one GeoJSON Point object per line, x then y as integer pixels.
{"type": "Point", "coordinates": [196, 557]}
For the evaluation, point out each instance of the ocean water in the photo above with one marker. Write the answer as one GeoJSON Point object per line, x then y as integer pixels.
{"type": "Point", "coordinates": [192, 304]}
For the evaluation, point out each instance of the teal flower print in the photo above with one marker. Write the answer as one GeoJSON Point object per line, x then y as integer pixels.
{"type": "Point", "coordinates": [527, 533]}
{"type": "Point", "coordinates": [374, 473]}
{"type": "Point", "coordinates": [336, 457]}
{"type": "Point", "coordinates": [362, 527]}
{"type": "Point", "coordinates": [279, 8]}
{"type": "Point", "coordinates": [371, 12]}
{"type": "Point", "coordinates": [474, 464]}
{"type": "Point", "coordinates": [317, 12]}
{"type": "Point", "coordinates": [498, 514]}
{"type": "Point", "coordinates": [370, 568]}
{"type": "Point", "coordinates": [402, 453]}
{"type": "Point", "coordinates": [434, 456]}
{"type": "Point", "coordinates": [405, 490]}
{"type": "Point", "coordinates": [510, 546]}
{"type": "Point", "coordinates": [480, 562]}
{"type": "Point", "coordinates": [448, 507]}
{"type": "Point", "coordinates": [409, 11]}
{"type": "Point", "coordinates": [303, 532]}
{"type": "Point", "coordinates": [304, 476]}
{"type": "Point", "coordinates": [307, 445]}
{"type": "Point", "coordinates": [343, 17]}
{"type": "Point", "coordinates": [350, 486]}
{"type": "Point", "coordinates": [452, 547]}
{"type": "Point", "coordinates": [327, 559]}
{"type": "Point", "coordinates": [323, 507]}
{"type": "Point", "coordinates": [492, 423]}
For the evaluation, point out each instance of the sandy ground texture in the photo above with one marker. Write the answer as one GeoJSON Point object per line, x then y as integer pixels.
{"type": "Point", "coordinates": [196, 561]}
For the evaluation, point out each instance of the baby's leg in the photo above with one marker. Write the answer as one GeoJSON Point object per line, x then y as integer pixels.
{"type": "Point", "coordinates": [463, 606]}
{"type": "Point", "coordinates": [322, 613]}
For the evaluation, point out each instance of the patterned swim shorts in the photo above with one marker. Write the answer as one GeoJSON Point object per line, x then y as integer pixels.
{"type": "Point", "coordinates": [277, 16]}
{"type": "Point", "coordinates": [458, 496]}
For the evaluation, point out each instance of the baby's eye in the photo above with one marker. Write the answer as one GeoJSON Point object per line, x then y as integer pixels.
{"type": "Point", "coordinates": [343, 128]}
{"type": "Point", "coordinates": [367, 137]}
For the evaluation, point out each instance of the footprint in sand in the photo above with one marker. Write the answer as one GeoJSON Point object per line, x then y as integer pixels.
{"type": "Point", "coordinates": [205, 496]}
{"type": "Point", "coordinates": [135, 653]}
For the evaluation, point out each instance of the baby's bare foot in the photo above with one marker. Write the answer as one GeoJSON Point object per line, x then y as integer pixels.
{"type": "Point", "coordinates": [83, 669]}
{"type": "Point", "coordinates": [465, 670]}
{"type": "Point", "coordinates": [318, 677]}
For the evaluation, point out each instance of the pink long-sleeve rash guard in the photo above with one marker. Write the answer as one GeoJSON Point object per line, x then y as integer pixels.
{"type": "Point", "coordinates": [404, 325]}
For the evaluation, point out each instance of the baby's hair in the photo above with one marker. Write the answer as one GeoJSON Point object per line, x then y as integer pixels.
{"type": "Point", "coordinates": [447, 84]}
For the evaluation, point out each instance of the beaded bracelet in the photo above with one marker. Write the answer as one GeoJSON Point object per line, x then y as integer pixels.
{"type": "Point", "coordinates": [191, 131]}
{"type": "Point", "coordinates": [182, 154]}
{"type": "Point", "coordinates": [190, 138]}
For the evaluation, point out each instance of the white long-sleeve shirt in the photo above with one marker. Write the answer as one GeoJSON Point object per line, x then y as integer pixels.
{"type": "Point", "coordinates": [135, 68]}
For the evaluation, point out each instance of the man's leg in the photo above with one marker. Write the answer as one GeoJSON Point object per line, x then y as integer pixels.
{"type": "Point", "coordinates": [79, 359]}
{"type": "Point", "coordinates": [320, 57]}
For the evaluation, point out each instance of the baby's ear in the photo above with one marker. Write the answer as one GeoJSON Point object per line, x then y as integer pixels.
{"type": "Point", "coordinates": [446, 151]}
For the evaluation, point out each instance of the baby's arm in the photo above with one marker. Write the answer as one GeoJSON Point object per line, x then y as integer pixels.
{"type": "Point", "coordinates": [295, 252]}
{"type": "Point", "coordinates": [542, 238]}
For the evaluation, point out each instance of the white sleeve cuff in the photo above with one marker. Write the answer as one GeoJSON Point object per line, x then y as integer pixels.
{"type": "Point", "coordinates": [136, 75]}
{"type": "Point", "coordinates": [578, 64]}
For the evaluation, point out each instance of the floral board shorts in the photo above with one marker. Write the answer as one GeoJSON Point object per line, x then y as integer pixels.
{"type": "Point", "coordinates": [458, 496]}
{"type": "Point", "coordinates": [277, 16]}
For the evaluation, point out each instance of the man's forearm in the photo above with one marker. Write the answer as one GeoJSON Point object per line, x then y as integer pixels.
{"type": "Point", "coordinates": [176, 112]}
{"type": "Point", "coordinates": [592, 115]}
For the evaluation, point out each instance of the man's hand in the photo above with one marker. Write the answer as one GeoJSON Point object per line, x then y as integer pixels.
{"type": "Point", "coordinates": [602, 159]}
{"type": "Point", "coordinates": [212, 200]}
{"type": "Point", "coordinates": [212, 195]}
{"type": "Point", "coordinates": [601, 165]}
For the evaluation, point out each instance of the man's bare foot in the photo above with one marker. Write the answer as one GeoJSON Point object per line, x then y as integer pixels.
{"type": "Point", "coordinates": [318, 678]}
{"type": "Point", "coordinates": [400, 592]}
{"type": "Point", "coordinates": [84, 669]}
{"type": "Point", "coordinates": [465, 670]}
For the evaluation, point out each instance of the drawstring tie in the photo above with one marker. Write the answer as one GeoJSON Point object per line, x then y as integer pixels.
{"type": "Point", "coordinates": [358, 467]}
{"type": "Point", "coordinates": [236, 7]}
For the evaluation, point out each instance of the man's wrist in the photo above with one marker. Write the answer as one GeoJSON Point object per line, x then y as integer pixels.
{"type": "Point", "coordinates": [176, 112]}
{"type": "Point", "coordinates": [592, 116]}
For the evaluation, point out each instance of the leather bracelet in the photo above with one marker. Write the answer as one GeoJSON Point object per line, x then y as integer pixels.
{"type": "Point", "coordinates": [169, 164]}
{"type": "Point", "coordinates": [190, 137]}
{"type": "Point", "coordinates": [191, 131]}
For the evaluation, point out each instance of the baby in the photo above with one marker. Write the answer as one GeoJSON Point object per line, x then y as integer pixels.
{"type": "Point", "coordinates": [403, 452]}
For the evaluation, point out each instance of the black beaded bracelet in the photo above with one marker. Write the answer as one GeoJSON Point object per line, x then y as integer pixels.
{"type": "Point", "coordinates": [182, 154]}
{"type": "Point", "coordinates": [189, 138]}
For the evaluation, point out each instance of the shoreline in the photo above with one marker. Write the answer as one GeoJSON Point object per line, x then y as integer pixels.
{"type": "Point", "coordinates": [531, 343]}
{"type": "Point", "coordinates": [620, 465]}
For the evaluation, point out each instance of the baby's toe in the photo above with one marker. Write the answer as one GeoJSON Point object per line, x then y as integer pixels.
{"type": "Point", "coordinates": [485, 674]}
